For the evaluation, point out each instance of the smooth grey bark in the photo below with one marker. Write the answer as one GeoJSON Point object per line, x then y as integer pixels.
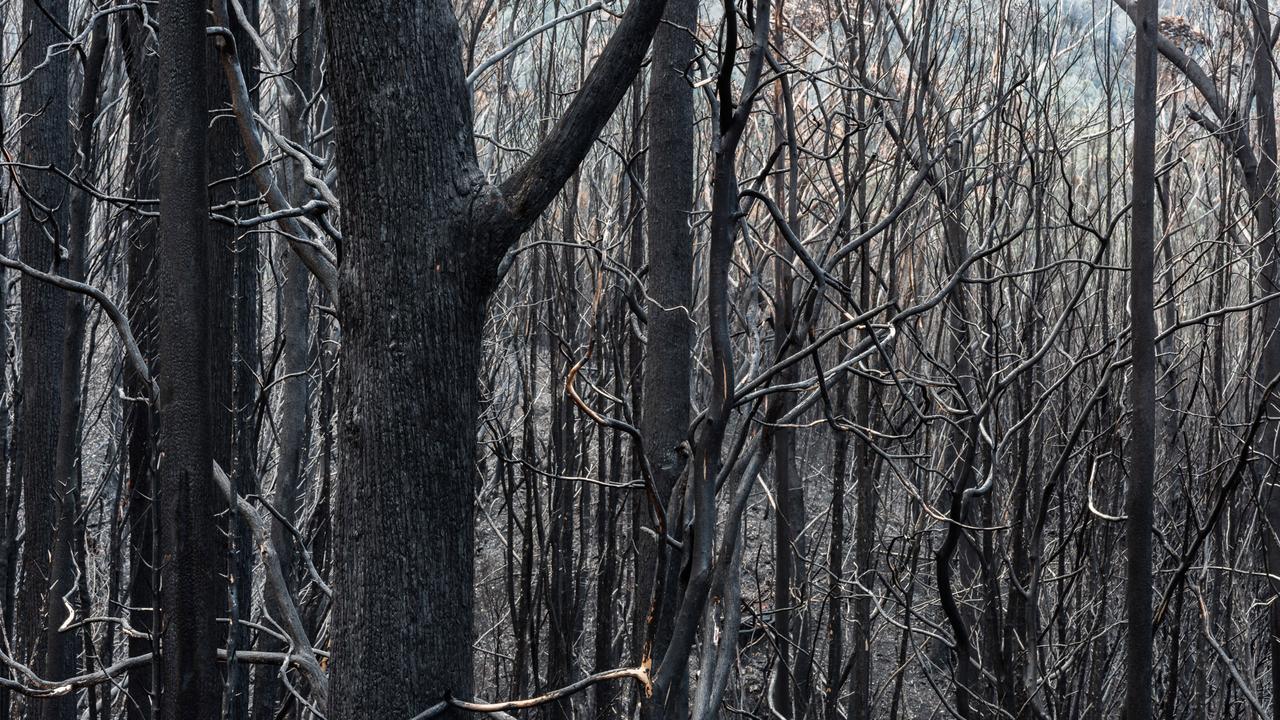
{"type": "Point", "coordinates": [425, 234]}
{"type": "Point", "coordinates": [191, 586]}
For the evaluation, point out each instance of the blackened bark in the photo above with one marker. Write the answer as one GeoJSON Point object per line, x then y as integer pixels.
{"type": "Point", "coordinates": [862, 702]}
{"type": "Point", "coordinates": [965, 676]}
{"type": "Point", "coordinates": [12, 490]}
{"type": "Point", "coordinates": [233, 320]}
{"type": "Point", "coordinates": [45, 139]}
{"type": "Point", "coordinates": [412, 312]}
{"type": "Point", "coordinates": [191, 590]}
{"type": "Point", "coordinates": [10, 486]}
{"type": "Point", "coordinates": [140, 305]}
{"type": "Point", "coordinates": [294, 308]}
{"type": "Point", "coordinates": [1139, 502]}
{"type": "Point", "coordinates": [789, 520]}
{"type": "Point", "coordinates": [427, 235]}
{"type": "Point", "coordinates": [671, 670]}
{"type": "Point", "coordinates": [562, 330]}
{"type": "Point", "coordinates": [1269, 282]}
{"type": "Point", "coordinates": [607, 506]}
{"type": "Point", "coordinates": [835, 563]}
{"type": "Point", "coordinates": [61, 646]}
{"type": "Point", "coordinates": [668, 354]}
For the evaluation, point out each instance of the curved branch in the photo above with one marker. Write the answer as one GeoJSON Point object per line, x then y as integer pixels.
{"type": "Point", "coordinates": [526, 37]}
{"type": "Point", "coordinates": [528, 191]}
{"type": "Point", "coordinates": [318, 260]}
{"type": "Point", "coordinates": [639, 674]}
{"type": "Point", "coordinates": [132, 351]}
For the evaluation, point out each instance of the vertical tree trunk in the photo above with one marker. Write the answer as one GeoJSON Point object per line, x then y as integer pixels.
{"type": "Point", "coordinates": [140, 305]}
{"type": "Point", "coordinates": [294, 330]}
{"type": "Point", "coordinates": [563, 332]}
{"type": "Point", "coordinates": [1138, 697]}
{"type": "Point", "coordinates": [45, 139]}
{"type": "Point", "coordinates": [10, 487]}
{"type": "Point", "coordinates": [788, 541]}
{"type": "Point", "coordinates": [412, 312]}
{"type": "Point", "coordinates": [835, 563]}
{"type": "Point", "coordinates": [629, 379]}
{"type": "Point", "coordinates": [862, 701]}
{"type": "Point", "coordinates": [190, 589]}
{"type": "Point", "coordinates": [61, 646]}
{"type": "Point", "coordinates": [1269, 282]}
{"type": "Point", "coordinates": [233, 319]}
{"type": "Point", "coordinates": [431, 233]}
{"type": "Point", "coordinates": [668, 355]}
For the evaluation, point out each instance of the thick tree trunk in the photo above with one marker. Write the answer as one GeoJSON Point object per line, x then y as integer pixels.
{"type": "Point", "coordinates": [412, 312]}
{"type": "Point", "coordinates": [191, 590]}
{"type": "Point", "coordinates": [45, 139]}
{"type": "Point", "coordinates": [427, 234]}
{"type": "Point", "coordinates": [402, 620]}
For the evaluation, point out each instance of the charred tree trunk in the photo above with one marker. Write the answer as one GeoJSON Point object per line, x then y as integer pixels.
{"type": "Point", "coordinates": [233, 282]}
{"type": "Point", "coordinates": [190, 588]}
{"type": "Point", "coordinates": [430, 233]}
{"type": "Point", "coordinates": [139, 420]}
{"type": "Point", "coordinates": [61, 646]}
{"type": "Point", "coordinates": [1142, 450]}
{"type": "Point", "coordinates": [1264, 92]}
{"type": "Point", "coordinates": [45, 139]}
{"type": "Point", "coordinates": [668, 357]}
